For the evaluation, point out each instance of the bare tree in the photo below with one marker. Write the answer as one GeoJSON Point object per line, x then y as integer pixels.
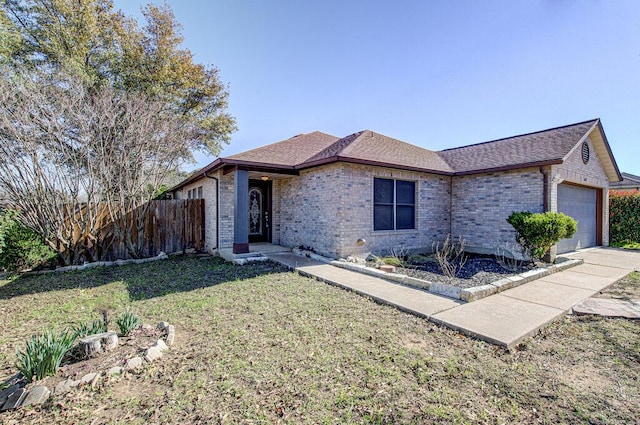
{"type": "Point", "coordinates": [72, 159]}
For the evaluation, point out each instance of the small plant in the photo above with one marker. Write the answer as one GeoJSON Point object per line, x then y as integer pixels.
{"type": "Point", "coordinates": [538, 232]}
{"type": "Point", "coordinates": [396, 258]}
{"type": "Point", "coordinates": [91, 328]}
{"type": "Point", "coordinates": [510, 257]}
{"type": "Point", "coordinates": [44, 353]}
{"type": "Point", "coordinates": [127, 321]}
{"type": "Point", "coordinates": [450, 256]}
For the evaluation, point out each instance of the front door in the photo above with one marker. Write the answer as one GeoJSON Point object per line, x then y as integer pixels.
{"type": "Point", "coordinates": [259, 211]}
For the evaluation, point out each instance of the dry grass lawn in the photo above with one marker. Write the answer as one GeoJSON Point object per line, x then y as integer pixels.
{"type": "Point", "coordinates": [259, 344]}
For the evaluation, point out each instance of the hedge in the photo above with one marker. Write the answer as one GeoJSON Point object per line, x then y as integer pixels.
{"type": "Point", "coordinates": [624, 217]}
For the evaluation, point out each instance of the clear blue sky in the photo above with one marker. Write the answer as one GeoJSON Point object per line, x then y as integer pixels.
{"type": "Point", "coordinates": [437, 74]}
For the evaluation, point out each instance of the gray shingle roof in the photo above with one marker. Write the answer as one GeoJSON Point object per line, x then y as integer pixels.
{"type": "Point", "coordinates": [540, 147]}
{"type": "Point", "coordinates": [627, 180]}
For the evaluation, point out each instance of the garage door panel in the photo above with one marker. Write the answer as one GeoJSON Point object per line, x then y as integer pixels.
{"type": "Point", "coordinates": [581, 204]}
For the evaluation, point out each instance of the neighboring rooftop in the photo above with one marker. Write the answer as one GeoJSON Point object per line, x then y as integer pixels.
{"type": "Point", "coordinates": [629, 181]}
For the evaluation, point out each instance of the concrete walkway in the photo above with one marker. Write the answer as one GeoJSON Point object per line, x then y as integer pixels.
{"type": "Point", "coordinates": [504, 319]}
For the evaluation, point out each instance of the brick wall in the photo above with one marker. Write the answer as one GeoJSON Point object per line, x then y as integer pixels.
{"type": "Point", "coordinates": [209, 195]}
{"type": "Point", "coordinates": [481, 204]}
{"type": "Point", "coordinates": [329, 208]}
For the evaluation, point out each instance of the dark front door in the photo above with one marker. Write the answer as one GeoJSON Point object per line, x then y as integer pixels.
{"type": "Point", "coordinates": [259, 211]}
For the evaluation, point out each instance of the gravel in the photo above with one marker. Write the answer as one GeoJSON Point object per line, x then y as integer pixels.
{"type": "Point", "coordinates": [477, 271]}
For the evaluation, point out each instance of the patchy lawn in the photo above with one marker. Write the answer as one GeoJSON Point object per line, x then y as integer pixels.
{"type": "Point", "coordinates": [258, 344]}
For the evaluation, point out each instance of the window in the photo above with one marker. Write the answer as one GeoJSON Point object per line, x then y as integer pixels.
{"type": "Point", "coordinates": [195, 193]}
{"type": "Point", "coordinates": [394, 204]}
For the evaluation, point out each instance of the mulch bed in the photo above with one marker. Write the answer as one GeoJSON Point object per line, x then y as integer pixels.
{"type": "Point", "coordinates": [477, 271]}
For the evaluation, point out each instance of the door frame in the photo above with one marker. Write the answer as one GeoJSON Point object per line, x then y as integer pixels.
{"type": "Point", "coordinates": [267, 216]}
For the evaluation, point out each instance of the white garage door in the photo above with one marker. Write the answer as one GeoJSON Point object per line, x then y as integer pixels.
{"type": "Point", "coordinates": [579, 203]}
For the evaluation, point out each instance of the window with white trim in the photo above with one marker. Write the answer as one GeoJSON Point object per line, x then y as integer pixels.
{"type": "Point", "coordinates": [394, 204]}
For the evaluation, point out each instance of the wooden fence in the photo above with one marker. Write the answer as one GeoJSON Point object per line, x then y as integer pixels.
{"type": "Point", "coordinates": [169, 226]}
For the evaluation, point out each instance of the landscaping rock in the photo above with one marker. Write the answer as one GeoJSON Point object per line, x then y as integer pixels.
{"type": "Point", "coordinates": [171, 335]}
{"type": "Point", "coordinates": [153, 354]}
{"type": "Point", "coordinates": [161, 345]}
{"type": "Point", "coordinates": [5, 394]}
{"type": "Point", "coordinates": [446, 290]}
{"type": "Point", "coordinates": [36, 395]}
{"type": "Point", "coordinates": [115, 371]}
{"type": "Point", "coordinates": [94, 345]}
{"type": "Point", "coordinates": [477, 292]}
{"type": "Point", "coordinates": [134, 363]}
{"type": "Point", "coordinates": [387, 268]}
{"type": "Point", "coordinates": [163, 326]}
{"type": "Point", "coordinates": [14, 398]}
{"type": "Point", "coordinates": [63, 386]}
{"type": "Point", "coordinates": [90, 378]}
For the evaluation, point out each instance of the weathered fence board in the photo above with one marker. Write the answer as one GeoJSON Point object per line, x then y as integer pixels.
{"type": "Point", "coordinates": [169, 226]}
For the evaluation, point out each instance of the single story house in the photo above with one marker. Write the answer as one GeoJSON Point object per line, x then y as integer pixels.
{"type": "Point", "coordinates": [629, 182]}
{"type": "Point", "coordinates": [367, 192]}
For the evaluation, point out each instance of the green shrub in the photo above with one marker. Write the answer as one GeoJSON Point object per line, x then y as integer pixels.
{"type": "Point", "coordinates": [44, 353]}
{"type": "Point", "coordinates": [127, 321]}
{"type": "Point", "coordinates": [20, 247]}
{"type": "Point", "coordinates": [624, 217]}
{"type": "Point", "coordinates": [537, 232]}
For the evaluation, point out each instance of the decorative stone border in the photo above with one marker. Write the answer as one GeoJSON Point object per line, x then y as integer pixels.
{"type": "Point", "coordinates": [17, 395]}
{"type": "Point", "coordinates": [85, 266]}
{"type": "Point", "coordinates": [466, 294]}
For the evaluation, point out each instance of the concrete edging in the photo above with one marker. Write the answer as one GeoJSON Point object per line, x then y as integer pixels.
{"type": "Point", "coordinates": [464, 294]}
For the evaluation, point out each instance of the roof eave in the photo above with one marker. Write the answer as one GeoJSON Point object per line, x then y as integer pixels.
{"type": "Point", "coordinates": [222, 162]}
{"type": "Point", "coordinates": [359, 161]}
{"type": "Point", "coordinates": [510, 167]}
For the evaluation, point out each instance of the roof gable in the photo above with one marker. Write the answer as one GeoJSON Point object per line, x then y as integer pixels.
{"type": "Point", "coordinates": [540, 148]}
{"type": "Point", "coordinates": [547, 147]}
{"type": "Point", "coordinates": [289, 152]}
{"type": "Point", "coordinates": [373, 148]}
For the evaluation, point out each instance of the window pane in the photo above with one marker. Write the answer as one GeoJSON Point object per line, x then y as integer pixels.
{"type": "Point", "coordinates": [382, 191]}
{"type": "Point", "coordinates": [405, 217]}
{"type": "Point", "coordinates": [200, 192]}
{"type": "Point", "coordinates": [405, 192]}
{"type": "Point", "coordinates": [383, 217]}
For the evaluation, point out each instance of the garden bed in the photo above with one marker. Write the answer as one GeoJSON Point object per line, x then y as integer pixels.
{"type": "Point", "coordinates": [480, 277]}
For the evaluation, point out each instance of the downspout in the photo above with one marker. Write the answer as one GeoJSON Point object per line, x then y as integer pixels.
{"type": "Point", "coordinates": [217, 209]}
{"type": "Point", "coordinates": [451, 206]}
{"type": "Point", "coordinates": [545, 189]}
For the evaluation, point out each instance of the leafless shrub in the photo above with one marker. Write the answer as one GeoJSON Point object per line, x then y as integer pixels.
{"type": "Point", "coordinates": [510, 257]}
{"type": "Point", "coordinates": [450, 256]}
{"type": "Point", "coordinates": [73, 158]}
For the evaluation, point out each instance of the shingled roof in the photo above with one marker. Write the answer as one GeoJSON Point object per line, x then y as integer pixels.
{"type": "Point", "coordinates": [289, 152]}
{"type": "Point", "coordinates": [367, 147]}
{"type": "Point", "coordinates": [539, 148]}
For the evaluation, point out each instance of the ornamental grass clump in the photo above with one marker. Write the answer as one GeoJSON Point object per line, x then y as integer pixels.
{"type": "Point", "coordinates": [127, 321]}
{"type": "Point", "coordinates": [90, 328]}
{"type": "Point", "coordinates": [44, 353]}
{"type": "Point", "coordinates": [538, 232]}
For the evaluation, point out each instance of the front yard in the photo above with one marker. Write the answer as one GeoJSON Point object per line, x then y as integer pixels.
{"type": "Point", "coordinates": [259, 344]}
